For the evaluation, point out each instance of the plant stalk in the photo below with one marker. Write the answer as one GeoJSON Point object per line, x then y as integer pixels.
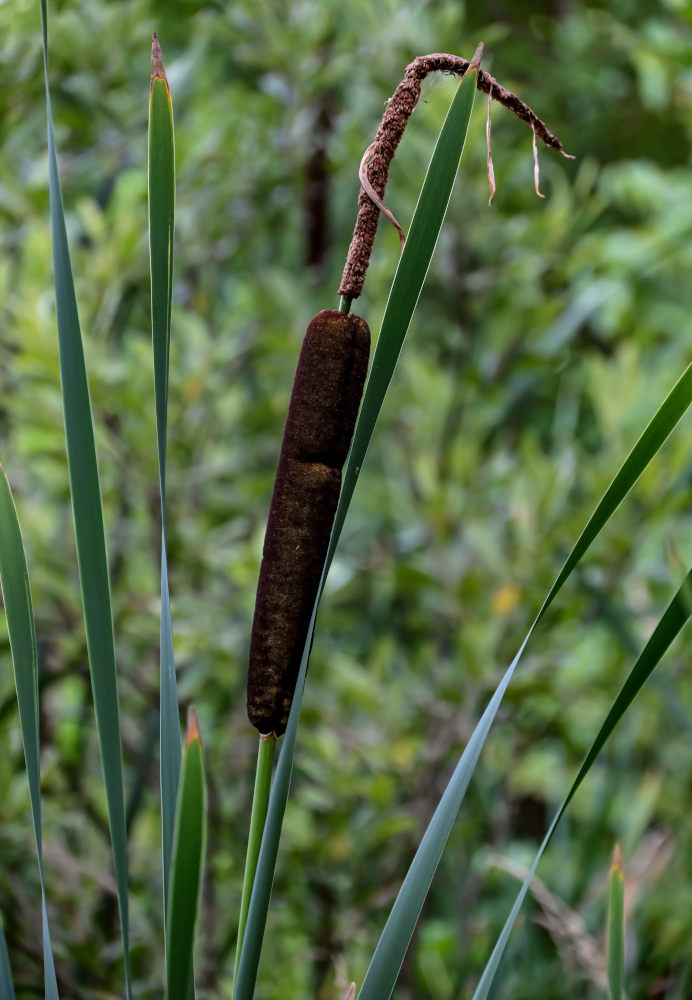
{"type": "Point", "coordinates": [260, 801]}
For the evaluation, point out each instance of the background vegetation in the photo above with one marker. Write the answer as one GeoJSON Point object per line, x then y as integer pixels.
{"type": "Point", "coordinates": [547, 335]}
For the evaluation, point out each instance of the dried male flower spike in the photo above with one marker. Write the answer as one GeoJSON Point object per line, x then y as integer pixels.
{"type": "Point", "coordinates": [326, 395]}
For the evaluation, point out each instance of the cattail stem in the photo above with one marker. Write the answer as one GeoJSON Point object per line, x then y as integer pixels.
{"type": "Point", "coordinates": [260, 801]}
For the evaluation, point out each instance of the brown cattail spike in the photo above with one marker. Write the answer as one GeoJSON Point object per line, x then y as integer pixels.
{"type": "Point", "coordinates": [321, 417]}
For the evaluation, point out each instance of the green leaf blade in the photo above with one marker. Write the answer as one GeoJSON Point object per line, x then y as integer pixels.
{"type": "Point", "coordinates": [616, 927]}
{"type": "Point", "coordinates": [161, 176]}
{"type": "Point", "coordinates": [391, 948]}
{"type": "Point", "coordinates": [6, 984]}
{"type": "Point", "coordinates": [652, 439]}
{"type": "Point", "coordinates": [16, 592]}
{"type": "Point", "coordinates": [161, 234]}
{"type": "Point", "coordinates": [674, 619]}
{"type": "Point", "coordinates": [89, 530]}
{"type": "Point", "coordinates": [187, 866]}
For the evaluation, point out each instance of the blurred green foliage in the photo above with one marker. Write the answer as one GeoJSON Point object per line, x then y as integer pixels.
{"type": "Point", "coordinates": [546, 336]}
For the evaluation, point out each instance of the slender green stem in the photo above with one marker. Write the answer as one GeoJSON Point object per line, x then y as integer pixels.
{"type": "Point", "coordinates": [345, 304]}
{"type": "Point", "coordinates": [260, 800]}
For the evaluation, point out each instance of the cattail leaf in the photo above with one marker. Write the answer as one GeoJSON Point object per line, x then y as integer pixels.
{"type": "Point", "coordinates": [616, 927]}
{"type": "Point", "coordinates": [161, 229]}
{"type": "Point", "coordinates": [161, 234]}
{"type": "Point", "coordinates": [6, 984]}
{"type": "Point", "coordinates": [187, 866]}
{"type": "Point", "coordinates": [391, 949]}
{"type": "Point", "coordinates": [16, 593]}
{"type": "Point", "coordinates": [88, 522]}
{"type": "Point", "coordinates": [674, 619]}
{"type": "Point", "coordinates": [413, 267]}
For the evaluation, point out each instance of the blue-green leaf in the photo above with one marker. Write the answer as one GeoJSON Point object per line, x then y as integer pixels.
{"type": "Point", "coordinates": [187, 865]}
{"type": "Point", "coordinates": [161, 230]}
{"type": "Point", "coordinates": [391, 949]}
{"type": "Point", "coordinates": [671, 624]}
{"type": "Point", "coordinates": [88, 522]}
{"type": "Point", "coordinates": [6, 984]}
{"type": "Point", "coordinates": [16, 592]}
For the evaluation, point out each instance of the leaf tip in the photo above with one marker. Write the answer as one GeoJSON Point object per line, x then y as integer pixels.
{"type": "Point", "coordinates": [157, 70]}
{"type": "Point", "coordinates": [616, 866]}
{"type": "Point", "coordinates": [475, 63]}
{"type": "Point", "coordinates": [192, 732]}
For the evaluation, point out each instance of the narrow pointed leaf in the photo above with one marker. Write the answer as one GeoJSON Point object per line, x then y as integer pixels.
{"type": "Point", "coordinates": [6, 984]}
{"type": "Point", "coordinates": [391, 948]}
{"type": "Point", "coordinates": [675, 618]}
{"type": "Point", "coordinates": [88, 523]}
{"type": "Point", "coordinates": [161, 233]}
{"type": "Point", "coordinates": [161, 228]}
{"type": "Point", "coordinates": [16, 592]}
{"type": "Point", "coordinates": [187, 865]}
{"type": "Point", "coordinates": [408, 281]}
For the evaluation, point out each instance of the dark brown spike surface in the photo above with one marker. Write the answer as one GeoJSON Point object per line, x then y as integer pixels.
{"type": "Point", "coordinates": [326, 395]}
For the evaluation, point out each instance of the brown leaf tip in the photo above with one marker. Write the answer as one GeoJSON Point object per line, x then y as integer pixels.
{"type": "Point", "coordinates": [617, 858]}
{"type": "Point", "coordinates": [192, 728]}
{"type": "Point", "coordinates": [157, 70]}
{"type": "Point", "coordinates": [476, 61]}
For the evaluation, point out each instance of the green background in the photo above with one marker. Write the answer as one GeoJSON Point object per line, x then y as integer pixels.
{"type": "Point", "coordinates": [547, 335]}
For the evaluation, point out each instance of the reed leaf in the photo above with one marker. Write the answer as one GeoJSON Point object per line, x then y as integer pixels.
{"type": "Point", "coordinates": [391, 949]}
{"type": "Point", "coordinates": [16, 592]}
{"type": "Point", "coordinates": [6, 984]}
{"type": "Point", "coordinates": [187, 864]}
{"type": "Point", "coordinates": [88, 522]}
{"type": "Point", "coordinates": [161, 232]}
{"type": "Point", "coordinates": [673, 621]}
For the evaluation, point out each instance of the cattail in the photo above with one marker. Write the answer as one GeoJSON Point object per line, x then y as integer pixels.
{"type": "Point", "coordinates": [326, 394]}
{"type": "Point", "coordinates": [322, 414]}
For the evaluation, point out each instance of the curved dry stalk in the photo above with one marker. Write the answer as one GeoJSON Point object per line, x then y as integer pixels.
{"type": "Point", "coordinates": [491, 170]}
{"type": "Point", "coordinates": [381, 151]}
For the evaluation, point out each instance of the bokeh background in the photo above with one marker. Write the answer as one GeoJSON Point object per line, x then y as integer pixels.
{"type": "Point", "coordinates": [547, 335]}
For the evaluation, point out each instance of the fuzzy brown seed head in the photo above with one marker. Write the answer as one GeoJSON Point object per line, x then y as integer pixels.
{"type": "Point", "coordinates": [326, 395]}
